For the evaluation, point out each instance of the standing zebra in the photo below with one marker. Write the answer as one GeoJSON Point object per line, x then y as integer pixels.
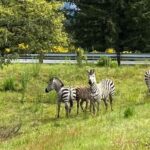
{"type": "Point", "coordinates": [64, 94]}
{"type": "Point", "coordinates": [102, 91]}
{"type": "Point", "coordinates": [83, 94]}
{"type": "Point", "coordinates": [147, 79]}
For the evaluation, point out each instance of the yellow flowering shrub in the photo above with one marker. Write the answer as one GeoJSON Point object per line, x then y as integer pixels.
{"type": "Point", "coordinates": [110, 50]}
{"type": "Point", "coordinates": [7, 50]}
{"type": "Point", "coordinates": [23, 46]}
{"type": "Point", "coordinates": [59, 49]}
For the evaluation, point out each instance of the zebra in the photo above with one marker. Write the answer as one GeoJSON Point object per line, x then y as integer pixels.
{"type": "Point", "coordinates": [101, 91]}
{"type": "Point", "coordinates": [64, 94]}
{"type": "Point", "coordinates": [82, 95]}
{"type": "Point", "coordinates": [147, 79]}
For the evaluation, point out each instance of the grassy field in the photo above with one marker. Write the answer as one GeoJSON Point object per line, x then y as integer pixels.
{"type": "Point", "coordinates": [23, 101]}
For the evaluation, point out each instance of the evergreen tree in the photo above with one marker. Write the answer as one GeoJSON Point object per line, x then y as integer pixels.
{"type": "Point", "coordinates": [122, 24]}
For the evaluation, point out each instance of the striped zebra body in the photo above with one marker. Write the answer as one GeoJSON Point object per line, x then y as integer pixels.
{"type": "Point", "coordinates": [83, 94]}
{"type": "Point", "coordinates": [102, 91]}
{"type": "Point", "coordinates": [147, 79]}
{"type": "Point", "coordinates": [107, 88]}
{"type": "Point", "coordinates": [67, 94]}
{"type": "Point", "coordinates": [64, 94]}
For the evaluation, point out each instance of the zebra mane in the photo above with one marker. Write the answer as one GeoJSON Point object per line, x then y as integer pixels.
{"type": "Point", "coordinates": [62, 84]}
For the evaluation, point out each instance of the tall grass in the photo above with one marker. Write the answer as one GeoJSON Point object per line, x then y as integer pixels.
{"type": "Point", "coordinates": [9, 84]}
{"type": "Point", "coordinates": [24, 79]}
{"type": "Point", "coordinates": [36, 69]}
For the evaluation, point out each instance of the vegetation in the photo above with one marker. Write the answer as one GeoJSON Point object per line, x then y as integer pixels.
{"type": "Point", "coordinates": [121, 24]}
{"type": "Point", "coordinates": [31, 26]}
{"type": "Point", "coordinates": [127, 127]}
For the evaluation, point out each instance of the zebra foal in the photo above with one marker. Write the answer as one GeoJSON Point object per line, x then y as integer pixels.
{"type": "Point", "coordinates": [83, 94]}
{"type": "Point", "coordinates": [64, 94]}
{"type": "Point", "coordinates": [147, 79]}
{"type": "Point", "coordinates": [102, 91]}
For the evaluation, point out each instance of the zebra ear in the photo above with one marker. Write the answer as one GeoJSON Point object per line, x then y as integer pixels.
{"type": "Point", "coordinates": [88, 71]}
{"type": "Point", "coordinates": [93, 70]}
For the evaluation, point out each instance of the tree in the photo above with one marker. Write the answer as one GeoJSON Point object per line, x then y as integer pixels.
{"type": "Point", "coordinates": [121, 24]}
{"type": "Point", "coordinates": [33, 26]}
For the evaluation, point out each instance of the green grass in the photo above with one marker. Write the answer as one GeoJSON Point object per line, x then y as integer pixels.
{"type": "Point", "coordinates": [126, 128]}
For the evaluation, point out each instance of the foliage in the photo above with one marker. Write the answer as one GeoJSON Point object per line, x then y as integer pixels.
{"type": "Point", "coordinates": [110, 50]}
{"type": "Point", "coordinates": [106, 62]}
{"type": "Point", "coordinates": [31, 26]}
{"type": "Point", "coordinates": [59, 49]}
{"type": "Point", "coordinates": [113, 23]}
{"type": "Point", "coordinates": [6, 59]}
{"type": "Point", "coordinates": [80, 56]}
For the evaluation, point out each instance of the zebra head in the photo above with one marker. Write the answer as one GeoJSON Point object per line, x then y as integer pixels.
{"type": "Point", "coordinates": [91, 76]}
{"type": "Point", "coordinates": [54, 84]}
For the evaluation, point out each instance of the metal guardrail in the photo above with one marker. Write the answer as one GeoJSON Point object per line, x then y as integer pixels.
{"type": "Point", "coordinates": [90, 56]}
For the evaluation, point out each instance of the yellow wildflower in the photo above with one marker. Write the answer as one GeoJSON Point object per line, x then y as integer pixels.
{"type": "Point", "coordinates": [110, 50]}
{"type": "Point", "coordinates": [7, 50]}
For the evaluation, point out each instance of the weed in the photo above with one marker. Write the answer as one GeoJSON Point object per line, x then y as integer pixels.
{"type": "Point", "coordinates": [9, 84]}
{"type": "Point", "coordinates": [36, 70]}
{"type": "Point", "coordinates": [128, 112]}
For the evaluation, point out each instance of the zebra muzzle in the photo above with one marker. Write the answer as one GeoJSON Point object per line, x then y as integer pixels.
{"type": "Point", "coordinates": [46, 90]}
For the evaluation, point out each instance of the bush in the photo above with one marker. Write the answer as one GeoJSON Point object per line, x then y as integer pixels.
{"type": "Point", "coordinates": [106, 62]}
{"type": "Point", "coordinates": [128, 112]}
{"type": "Point", "coordinates": [81, 56]}
{"type": "Point", "coordinates": [113, 64]}
{"type": "Point", "coordinates": [9, 84]}
{"type": "Point", "coordinates": [110, 50]}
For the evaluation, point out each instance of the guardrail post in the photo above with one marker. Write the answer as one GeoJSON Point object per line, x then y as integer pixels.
{"type": "Point", "coordinates": [118, 57]}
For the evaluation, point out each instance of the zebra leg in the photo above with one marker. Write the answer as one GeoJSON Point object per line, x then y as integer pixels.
{"type": "Point", "coordinates": [71, 105]}
{"type": "Point", "coordinates": [77, 107]}
{"type": "Point", "coordinates": [93, 107]}
{"type": "Point", "coordinates": [86, 107]}
{"type": "Point", "coordinates": [106, 104]}
{"type": "Point", "coordinates": [98, 104]}
{"type": "Point", "coordinates": [90, 106]}
{"type": "Point", "coordinates": [67, 109]}
{"type": "Point", "coordinates": [58, 109]}
{"type": "Point", "coordinates": [111, 99]}
{"type": "Point", "coordinates": [81, 104]}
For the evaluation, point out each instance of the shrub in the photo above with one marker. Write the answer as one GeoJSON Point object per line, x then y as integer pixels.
{"type": "Point", "coordinates": [106, 62]}
{"type": "Point", "coordinates": [113, 64]}
{"type": "Point", "coordinates": [110, 50]}
{"type": "Point", "coordinates": [59, 49]}
{"type": "Point", "coordinates": [9, 84]}
{"type": "Point", "coordinates": [80, 56]}
{"type": "Point", "coordinates": [128, 112]}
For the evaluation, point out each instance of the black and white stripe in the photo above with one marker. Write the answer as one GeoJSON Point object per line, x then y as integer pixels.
{"type": "Point", "coordinates": [102, 91]}
{"type": "Point", "coordinates": [65, 94]}
{"type": "Point", "coordinates": [147, 79]}
{"type": "Point", "coordinates": [107, 90]}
